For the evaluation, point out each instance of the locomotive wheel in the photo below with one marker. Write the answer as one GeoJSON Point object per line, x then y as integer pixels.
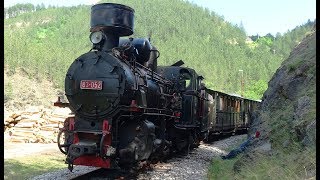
{"type": "Point", "coordinates": [136, 141]}
{"type": "Point", "coordinates": [65, 145]}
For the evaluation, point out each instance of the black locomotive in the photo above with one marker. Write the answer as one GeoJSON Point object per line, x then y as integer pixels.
{"type": "Point", "coordinates": [126, 109]}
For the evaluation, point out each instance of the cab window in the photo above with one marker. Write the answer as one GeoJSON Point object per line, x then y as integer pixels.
{"type": "Point", "coordinates": [185, 80]}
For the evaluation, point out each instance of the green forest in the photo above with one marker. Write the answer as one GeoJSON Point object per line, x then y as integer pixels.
{"type": "Point", "coordinates": [45, 41]}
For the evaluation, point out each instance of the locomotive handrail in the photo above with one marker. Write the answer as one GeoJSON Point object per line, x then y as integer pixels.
{"type": "Point", "coordinates": [91, 131]}
{"type": "Point", "coordinates": [157, 114]}
{"type": "Point", "coordinates": [153, 73]}
{"type": "Point", "coordinates": [101, 148]}
{"type": "Point", "coordinates": [192, 92]}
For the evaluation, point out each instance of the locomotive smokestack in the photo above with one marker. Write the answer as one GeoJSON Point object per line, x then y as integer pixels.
{"type": "Point", "coordinates": [111, 41]}
{"type": "Point", "coordinates": [114, 20]}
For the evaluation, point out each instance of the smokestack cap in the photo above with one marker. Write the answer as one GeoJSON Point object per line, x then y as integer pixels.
{"type": "Point", "coordinates": [112, 18]}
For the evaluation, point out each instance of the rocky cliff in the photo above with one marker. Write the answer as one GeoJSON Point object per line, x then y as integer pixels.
{"type": "Point", "coordinates": [286, 117]}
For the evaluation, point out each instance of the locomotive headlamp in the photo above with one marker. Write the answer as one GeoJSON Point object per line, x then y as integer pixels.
{"type": "Point", "coordinates": [96, 37]}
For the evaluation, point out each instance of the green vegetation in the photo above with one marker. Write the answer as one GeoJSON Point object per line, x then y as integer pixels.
{"type": "Point", "coordinates": [31, 166]}
{"type": "Point", "coordinates": [279, 166]}
{"type": "Point", "coordinates": [222, 169]}
{"type": "Point", "coordinates": [285, 43]}
{"type": "Point", "coordinates": [46, 41]}
{"type": "Point", "coordinates": [8, 91]}
{"type": "Point", "coordinates": [256, 89]}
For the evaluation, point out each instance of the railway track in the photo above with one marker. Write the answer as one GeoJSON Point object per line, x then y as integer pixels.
{"type": "Point", "coordinates": [189, 166]}
{"type": "Point", "coordinates": [143, 168]}
{"type": "Point", "coordinates": [107, 174]}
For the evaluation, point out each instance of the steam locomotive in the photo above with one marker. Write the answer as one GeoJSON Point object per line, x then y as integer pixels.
{"type": "Point", "coordinates": [127, 109]}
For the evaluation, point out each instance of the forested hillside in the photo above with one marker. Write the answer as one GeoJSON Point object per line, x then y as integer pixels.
{"type": "Point", "coordinates": [46, 41]}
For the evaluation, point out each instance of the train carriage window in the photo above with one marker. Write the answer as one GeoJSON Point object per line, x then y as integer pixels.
{"type": "Point", "coordinates": [185, 79]}
{"type": "Point", "coordinates": [221, 104]}
{"type": "Point", "coordinates": [241, 105]}
{"type": "Point", "coordinates": [246, 106]}
{"type": "Point", "coordinates": [187, 83]}
{"type": "Point", "coordinates": [238, 106]}
{"type": "Point", "coordinates": [210, 98]}
{"type": "Point", "coordinates": [218, 103]}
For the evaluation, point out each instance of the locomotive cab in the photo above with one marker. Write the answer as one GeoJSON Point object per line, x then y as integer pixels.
{"type": "Point", "coordinates": [186, 82]}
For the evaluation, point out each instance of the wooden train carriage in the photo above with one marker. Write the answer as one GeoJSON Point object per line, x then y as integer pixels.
{"type": "Point", "coordinates": [233, 113]}
{"type": "Point", "coordinates": [207, 111]}
{"type": "Point", "coordinates": [247, 108]}
{"type": "Point", "coordinates": [227, 112]}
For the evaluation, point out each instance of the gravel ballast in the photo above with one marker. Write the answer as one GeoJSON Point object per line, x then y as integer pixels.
{"type": "Point", "coordinates": [195, 164]}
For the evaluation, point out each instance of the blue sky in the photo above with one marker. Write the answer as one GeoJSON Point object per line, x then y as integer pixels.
{"type": "Point", "coordinates": [263, 16]}
{"type": "Point", "coordinates": [257, 16]}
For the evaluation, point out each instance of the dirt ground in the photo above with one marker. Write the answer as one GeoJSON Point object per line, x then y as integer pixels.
{"type": "Point", "coordinates": [14, 150]}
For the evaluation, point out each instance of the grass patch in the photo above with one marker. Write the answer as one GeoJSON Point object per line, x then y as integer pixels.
{"type": "Point", "coordinates": [290, 166]}
{"type": "Point", "coordinates": [27, 167]}
{"type": "Point", "coordinates": [281, 166]}
{"type": "Point", "coordinates": [222, 169]}
{"type": "Point", "coordinates": [219, 167]}
{"type": "Point", "coordinates": [8, 92]}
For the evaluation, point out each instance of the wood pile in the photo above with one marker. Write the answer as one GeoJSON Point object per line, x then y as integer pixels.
{"type": "Point", "coordinates": [35, 125]}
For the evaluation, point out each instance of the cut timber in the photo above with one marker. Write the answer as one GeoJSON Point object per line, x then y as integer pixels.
{"type": "Point", "coordinates": [18, 140]}
{"type": "Point", "coordinates": [15, 115]}
{"type": "Point", "coordinates": [8, 120]}
{"type": "Point", "coordinates": [22, 134]}
{"type": "Point", "coordinates": [55, 125]}
{"type": "Point", "coordinates": [22, 129]}
{"type": "Point", "coordinates": [49, 129]}
{"type": "Point", "coordinates": [35, 125]}
{"type": "Point", "coordinates": [26, 125]}
{"type": "Point", "coordinates": [10, 125]}
{"type": "Point", "coordinates": [55, 119]}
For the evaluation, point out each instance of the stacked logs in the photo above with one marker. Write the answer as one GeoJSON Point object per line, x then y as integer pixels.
{"type": "Point", "coordinates": [35, 125]}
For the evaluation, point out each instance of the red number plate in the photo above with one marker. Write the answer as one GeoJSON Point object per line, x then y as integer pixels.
{"type": "Point", "coordinates": [91, 84]}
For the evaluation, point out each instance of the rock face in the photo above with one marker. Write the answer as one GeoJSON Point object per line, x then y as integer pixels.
{"type": "Point", "coordinates": [289, 101]}
{"type": "Point", "coordinates": [286, 117]}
